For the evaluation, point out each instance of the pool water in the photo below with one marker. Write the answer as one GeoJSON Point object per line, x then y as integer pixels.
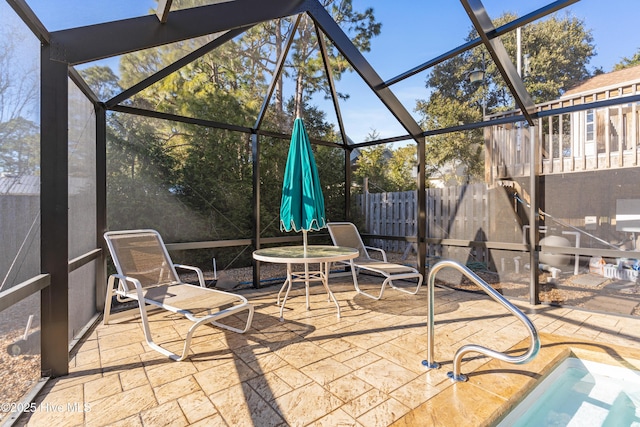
{"type": "Point", "coordinates": [581, 393]}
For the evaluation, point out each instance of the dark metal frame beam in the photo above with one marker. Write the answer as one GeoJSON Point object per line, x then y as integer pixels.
{"type": "Point", "coordinates": [19, 292]}
{"type": "Point", "coordinates": [277, 72]}
{"type": "Point", "coordinates": [177, 118]}
{"type": "Point", "coordinates": [342, 42]}
{"type": "Point", "coordinates": [212, 124]}
{"type": "Point", "coordinates": [101, 203]}
{"type": "Point", "coordinates": [504, 29]}
{"type": "Point", "coordinates": [77, 79]}
{"type": "Point", "coordinates": [54, 204]}
{"type": "Point", "coordinates": [332, 87]}
{"type": "Point", "coordinates": [343, 134]}
{"type": "Point", "coordinates": [534, 218]}
{"type": "Point", "coordinates": [94, 42]}
{"type": "Point", "coordinates": [156, 77]}
{"type": "Point", "coordinates": [162, 11]}
{"type": "Point", "coordinates": [483, 25]}
{"type": "Point", "coordinates": [30, 19]}
{"type": "Point", "coordinates": [257, 226]}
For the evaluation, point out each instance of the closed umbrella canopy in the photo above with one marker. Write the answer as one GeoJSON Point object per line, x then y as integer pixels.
{"type": "Point", "coordinates": [302, 205]}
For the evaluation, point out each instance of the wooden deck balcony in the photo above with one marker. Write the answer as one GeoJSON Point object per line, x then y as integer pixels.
{"type": "Point", "coordinates": [587, 140]}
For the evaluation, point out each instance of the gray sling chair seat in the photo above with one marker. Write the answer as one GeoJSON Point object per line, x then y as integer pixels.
{"type": "Point", "coordinates": [146, 273]}
{"type": "Point", "coordinates": [346, 234]}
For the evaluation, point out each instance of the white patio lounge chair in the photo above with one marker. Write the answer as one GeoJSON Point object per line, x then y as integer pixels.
{"type": "Point", "coordinates": [346, 234]}
{"type": "Point", "coordinates": [146, 273]}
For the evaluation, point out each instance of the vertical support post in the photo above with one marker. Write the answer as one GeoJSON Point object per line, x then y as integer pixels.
{"type": "Point", "coordinates": [550, 146]}
{"type": "Point", "coordinates": [422, 208]}
{"type": "Point", "coordinates": [621, 136]}
{"type": "Point", "coordinates": [534, 220]}
{"type": "Point", "coordinates": [101, 204]}
{"type": "Point", "coordinates": [255, 155]}
{"type": "Point", "coordinates": [54, 205]}
{"type": "Point", "coordinates": [348, 174]}
{"type": "Point", "coordinates": [607, 136]}
{"type": "Point", "coordinates": [583, 137]}
{"type": "Point", "coordinates": [561, 142]}
{"type": "Point", "coordinates": [634, 129]}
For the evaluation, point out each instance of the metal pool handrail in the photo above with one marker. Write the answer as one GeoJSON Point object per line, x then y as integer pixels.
{"type": "Point", "coordinates": [455, 375]}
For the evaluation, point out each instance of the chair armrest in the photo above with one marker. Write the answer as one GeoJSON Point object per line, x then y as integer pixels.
{"type": "Point", "coordinates": [123, 282]}
{"type": "Point", "coordinates": [192, 268]}
{"type": "Point", "coordinates": [384, 254]}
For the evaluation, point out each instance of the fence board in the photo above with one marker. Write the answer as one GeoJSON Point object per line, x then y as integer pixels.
{"type": "Point", "coordinates": [457, 212]}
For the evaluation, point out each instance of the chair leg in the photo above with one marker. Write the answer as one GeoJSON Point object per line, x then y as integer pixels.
{"type": "Point", "coordinates": [387, 281]}
{"type": "Point", "coordinates": [247, 325]}
{"type": "Point", "coordinates": [208, 320]}
{"type": "Point", "coordinates": [407, 291]}
{"type": "Point", "coordinates": [107, 301]}
{"type": "Point", "coordinates": [360, 291]}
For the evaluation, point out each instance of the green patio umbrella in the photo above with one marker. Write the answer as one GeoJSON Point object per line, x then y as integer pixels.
{"type": "Point", "coordinates": [302, 205]}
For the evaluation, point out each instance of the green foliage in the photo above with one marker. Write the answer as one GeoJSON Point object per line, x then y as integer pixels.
{"type": "Point", "coordinates": [628, 62]}
{"type": "Point", "coordinates": [102, 80]}
{"type": "Point", "coordinates": [20, 152]}
{"type": "Point", "coordinates": [557, 51]}
{"type": "Point", "coordinates": [193, 182]}
{"type": "Point", "coordinates": [19, 134]}
{"type": "Point", "coordinates": [400, 169]}
{"type": "Point", "coordinates": [385, 169]}
{"type": "Point", "coordinates": [305, 64]}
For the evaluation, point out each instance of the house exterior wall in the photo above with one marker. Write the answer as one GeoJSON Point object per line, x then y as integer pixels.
{"type": "Point", "coordinates": [592, 139]}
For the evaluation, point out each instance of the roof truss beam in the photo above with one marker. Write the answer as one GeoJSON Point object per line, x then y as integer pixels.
{"type": "Point", "coordinates": [332, 87]}
{"type": "Point", "coordinates": [140, 86]}
{"type": "Point", "coordinates": [482, 23]}
{"type": "Point", "coordinates": [94, 42]}
{"type": "Point", "coordinates": [30, 19]}
{"type": "Point", "coordinates": [162, 11]}
{"type": "Point", "coordinates": [277, 72]}
{"type": "Point", "coordinates": [342, 42]}
{"type": "Point", "coordinates": [510, 26]}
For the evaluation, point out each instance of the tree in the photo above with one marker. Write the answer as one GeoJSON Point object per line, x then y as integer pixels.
{"type": "Point", "coordinates": [19, 152]}
{"type": "Point", "coordinates": [557, 51]}
{"type": "Point", "coordinates": [628, 62]}
{"type": "Point", "coordinates": [456, 149]}
{"type": "Point", "coordinates": [19, 134]}
{"type": "Point", "coordinates": [402, 167]}
{"type": "Point", "coordinates": [371, 164]}
{"type": "Point", "coordinates": [386, 169]}
{"type": "Point", "coordinates": [102, 80]}
{"type": "Point", "coordinates": [306, 65]}
{"type": "Point", "coordinates": [209, 171]}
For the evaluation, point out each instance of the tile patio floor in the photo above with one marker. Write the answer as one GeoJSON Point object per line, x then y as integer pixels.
{"type": "Point", "coordinates": [315, 370]}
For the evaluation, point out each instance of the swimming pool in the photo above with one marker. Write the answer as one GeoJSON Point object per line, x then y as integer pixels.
{"type": "Point", "coordinates": [581, 393]}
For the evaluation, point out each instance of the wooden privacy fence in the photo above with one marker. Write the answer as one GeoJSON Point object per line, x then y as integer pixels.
{"type": "Point", "coordinates": [457, 212]}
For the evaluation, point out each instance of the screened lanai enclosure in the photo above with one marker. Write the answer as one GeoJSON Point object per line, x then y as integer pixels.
{"type": "Point", "coordinates": [505, 139]}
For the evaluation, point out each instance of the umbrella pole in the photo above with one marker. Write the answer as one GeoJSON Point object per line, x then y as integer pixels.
{"type": "Point", "coordinates": [304, 241]}
{"type": "Point", "coordinates": [306, 267]}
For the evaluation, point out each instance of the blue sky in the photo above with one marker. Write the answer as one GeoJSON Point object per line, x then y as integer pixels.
{"type": "Point", "coordinates": [441, 26]}
{"type": "Point", "coordinates": [412, 33]}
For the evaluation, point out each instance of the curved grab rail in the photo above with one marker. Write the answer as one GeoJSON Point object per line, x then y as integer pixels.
{"type": "Point", "coordinates": [455, 375]}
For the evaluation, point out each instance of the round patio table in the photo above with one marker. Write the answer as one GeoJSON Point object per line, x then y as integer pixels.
{"type": "Point", "coordinates": [323, 255]}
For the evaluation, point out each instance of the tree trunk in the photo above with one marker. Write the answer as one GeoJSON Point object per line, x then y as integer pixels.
{"type": "Point", "coordinates": [278, 90]}
{"type": "Point", "coordinates": [298, 98]}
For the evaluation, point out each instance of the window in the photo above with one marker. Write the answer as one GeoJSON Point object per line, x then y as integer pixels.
{"type": "Point", "coordinates": [590, 126]}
